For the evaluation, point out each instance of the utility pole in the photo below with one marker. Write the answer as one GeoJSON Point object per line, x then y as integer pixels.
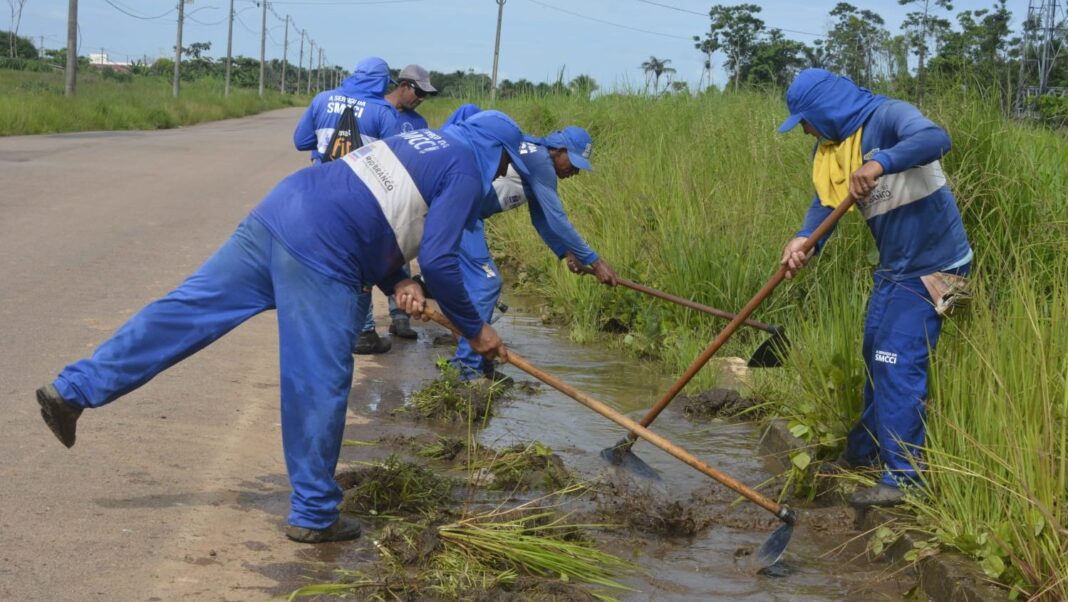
{"type": "Point", "coordinates": [319, 80]}
{"type": "Point", "coordinates": [263, 45]}
{"type": "Point", "coordinates": [497, 48]}
{"type": "Point", "coordinates": [72, 46]}
{"type": "Point", "coordinates": [178, 48]}
{"type": "Point", "coordinates": [229, 46]}
{"type": "Point", "coordinates": [311, 68]}
{"type": "Point", "coordinates": [285, 53]}
{"type": "Point", "coordinates": [300, 61]}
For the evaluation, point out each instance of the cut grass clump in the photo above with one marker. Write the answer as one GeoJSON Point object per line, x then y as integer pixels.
{"type": "Point", "coordinates": [528, 552]}
{"type": "Point", "coordinates": [394, 487]}
{"type": "Point", "coordinates": [718, 403]}
{"type": "Point", "coordinates": [447, 399]}
{"type": "Point", "coordinates": [522, 467]}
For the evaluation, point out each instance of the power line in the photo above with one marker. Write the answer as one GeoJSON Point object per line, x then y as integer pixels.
{"type": "Point", "coordinates": [705, 14]}
{"type": "Point", "coordinates": [581, 16]}
{"type": "Point", "coordinates": [347, 2]}
{"type": "Point", "coordinates": [129, 14]}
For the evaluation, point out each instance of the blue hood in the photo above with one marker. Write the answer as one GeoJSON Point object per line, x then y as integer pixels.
{"type": "Point", "coordinates": [368, 82]}
{"type": "Point", "coordinates": [462, 113]}
{"type": "Point", "coordinates": [831, 103]}
{"type": "Point", "coordinates": [487, 133]}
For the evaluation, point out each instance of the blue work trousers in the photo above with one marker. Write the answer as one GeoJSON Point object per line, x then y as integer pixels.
{"type": "Point", "coordinates": [482, 280]}
{"type": "Point", "coordinates": [900, 332]}
{"type": "Point", "coordinates": [394, 311]}
{"type": "Point", "coordinates": [251, 273]}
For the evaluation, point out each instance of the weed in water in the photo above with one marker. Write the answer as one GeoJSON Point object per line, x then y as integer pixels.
{"type": "Point", "coordinates": [449, 399]}
{"type": "Point", "coordinates": [394, 487]}
{"type": "Point", "coordinates": [522, 467]}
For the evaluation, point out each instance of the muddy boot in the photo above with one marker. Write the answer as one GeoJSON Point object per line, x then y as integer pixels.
{"type": "Point", "coordinates": [59, 415]}
{"type": "Point", "coordinates": [343, 529]}
{"type": "Point", "coordinates": [880, 495]}
{"type": "Point", "coordinates": [402, 327]}
{"type": "Point", "coordinates": [370, 343]}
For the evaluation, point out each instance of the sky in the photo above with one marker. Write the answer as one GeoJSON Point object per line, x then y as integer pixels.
{"type": "Point", "coordinates": [606, 39]}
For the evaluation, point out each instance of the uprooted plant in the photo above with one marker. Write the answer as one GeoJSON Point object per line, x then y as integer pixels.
{"type": "Point", "coordinates": [529, 550]}
{"type": "Point", "coordinates": [451, 400]}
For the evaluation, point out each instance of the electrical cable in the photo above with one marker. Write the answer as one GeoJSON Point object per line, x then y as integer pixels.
{"type": "Point", "coordinates": [129, 14]}
{"type": "Point", "coordinates": [655, 33]}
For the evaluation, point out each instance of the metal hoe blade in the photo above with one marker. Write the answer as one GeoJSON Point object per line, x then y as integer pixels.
{"type": "Point", "coordinates": [771, 352]}
{"type": "Point", "coordinates": [620, 455]}
{"type": "Point", "coordinates": [772, 550]}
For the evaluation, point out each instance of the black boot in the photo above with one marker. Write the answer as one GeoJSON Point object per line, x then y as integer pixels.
{"type": "Point", "coordinates": [402, 327]}
{"type": "Point", "coordinates": [343, 529]}
{"type": "Point", "coordinates": [370, 343]}
{"type": "Point", "coordinates": [59, 415]}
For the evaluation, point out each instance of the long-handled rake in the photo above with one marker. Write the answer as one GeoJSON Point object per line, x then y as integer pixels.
{"type": "Point", "coordinates": [767, 355]}
{"type": "Point", "coordinates": [769, 552]}
{"type": "Point", "coordinates": [620, 454]}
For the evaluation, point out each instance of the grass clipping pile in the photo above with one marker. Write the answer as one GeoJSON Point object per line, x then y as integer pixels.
{"type": "Point", "coordinates": [529, 552]}
{"type": "Point", "coordinates": [448, 400]}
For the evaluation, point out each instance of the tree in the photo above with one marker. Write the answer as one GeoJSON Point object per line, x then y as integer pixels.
{"type": "Point", "coordinates": [24, 48]}
{"type": "Point", "coordinates": [707, 47]}
{"type": "Point", "coordinates": [16, 18]}
{"type": "Point", "coordinates": [775, 60]}
{"type": "Point", "coordinates": [734, 30]}
{"type": "Point", "coordinates": [855, 42]}
{"type": "Point", "coordinates": [981, 47]}
{"type": "Point", "coordinates": [920, 27]}
{"type": "Point", "coordinates": [583, 85]}
{"type": "Point", "coordinates": [657, 68]}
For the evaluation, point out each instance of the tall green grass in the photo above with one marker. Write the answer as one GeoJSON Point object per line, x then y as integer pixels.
{"type": "Point", "coordinates": [698, 195]}
{"type": "Point", "coordinates": [34, 103]}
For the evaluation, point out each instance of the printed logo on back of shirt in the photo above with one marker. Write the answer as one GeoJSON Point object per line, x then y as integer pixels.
{"type": "Point", "coordinates": [407, 127]}
{"type": "Point", "coordinates": [424, 141]}
{"type": "Point", "coordinates": [338, 104]}
{"type": "Point", "coordinates": [525, 148]}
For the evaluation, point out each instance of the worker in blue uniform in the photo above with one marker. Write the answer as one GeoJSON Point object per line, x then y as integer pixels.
{"type": "Point", "coordinates": [376, 118]}
{"type": "Point", "coordinates": [306, 251]}
{"type": "Point", "coordinates": [364, 91]}
{"type": "Point", "coordinates": [412, 88]}
{"type": "Point", "coordinates": [557, 156]}
{"type": "Point", "coordinates": [886, 154]}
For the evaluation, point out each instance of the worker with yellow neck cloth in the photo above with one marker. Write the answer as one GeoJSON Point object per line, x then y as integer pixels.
{"type": "Point", "coordinates": [885, 154]}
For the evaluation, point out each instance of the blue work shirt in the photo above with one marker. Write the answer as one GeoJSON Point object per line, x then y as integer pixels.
{"type": "Point", "coordinates": [363, 217]}
{"type": "Point", "coordinates": [546, 209]}
{"type": "Point", "coordinates": [363, 91]}
{"type": "Point", "coordinates": [409, 121]}
{"type": "Point", "coordinates": [912, 214]}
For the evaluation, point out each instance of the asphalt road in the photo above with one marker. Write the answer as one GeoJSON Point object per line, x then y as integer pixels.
{"type": "Point", "coordinates": [177, 490]}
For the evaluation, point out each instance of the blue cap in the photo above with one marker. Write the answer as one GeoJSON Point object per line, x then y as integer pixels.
{"type": "Point", "coordinates": [488, 133]}
{"type": "Point", "coordinates": [577, 142]}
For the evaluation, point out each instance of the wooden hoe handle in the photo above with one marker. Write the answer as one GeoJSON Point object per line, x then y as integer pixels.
{"type": "Point", "coordinates": [635, 429]}
{"type": "Point", "coordinates": [739, 319]}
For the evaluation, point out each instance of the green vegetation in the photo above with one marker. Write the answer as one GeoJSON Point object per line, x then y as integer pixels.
{"type": "Point", "coordinates": [697, 196]}
{"type": "Point", "coordinates": [33, 103]}
{"type": "Point", "coordinates": [521, 467]}
{"type": "Point", "coordinates": [448, 399]}
{"type": "Point", "coordinates": [394, 487]}
{"type": "Point", "coordinates": [529, 550]}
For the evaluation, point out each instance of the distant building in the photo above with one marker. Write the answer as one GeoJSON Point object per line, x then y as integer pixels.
{"type": "Point", "coordinates": [100, 60]}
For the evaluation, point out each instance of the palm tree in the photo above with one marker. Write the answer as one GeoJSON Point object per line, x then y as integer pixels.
{"type": "Point", "coordinates": [657, 67]}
